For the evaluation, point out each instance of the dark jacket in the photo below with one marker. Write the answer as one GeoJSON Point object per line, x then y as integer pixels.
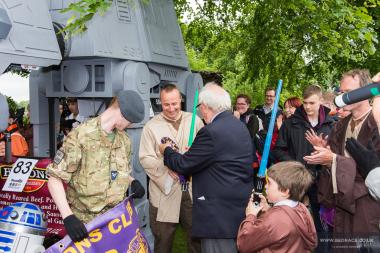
{"type": "Point", "coordinates": [291, 142]}
{"type": "Point", "coordinates": [259, 111]}
{"type": "Point", "coordinates": [250, 119]}
{"type": "Point", "coordinates": [252, 122]}
{"type": "Point", "coordinates": [220, 164]}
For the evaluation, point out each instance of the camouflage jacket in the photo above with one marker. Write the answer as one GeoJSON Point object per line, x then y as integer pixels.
{"type": "Point", "coordinates": [95, 169]}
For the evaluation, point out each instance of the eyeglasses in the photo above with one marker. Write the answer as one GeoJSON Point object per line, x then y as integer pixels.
{"type": "Point", "coordinates": [241, 104]}
{"type": "Point", "coordinates": [197, 106]}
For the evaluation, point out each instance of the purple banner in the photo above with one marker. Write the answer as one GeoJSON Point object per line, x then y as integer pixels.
{"type": "Point", "coordinates": [115, 231]}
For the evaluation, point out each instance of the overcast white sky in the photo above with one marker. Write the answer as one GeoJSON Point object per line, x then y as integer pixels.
{"type": "Point", "coordinates": [14, 86]}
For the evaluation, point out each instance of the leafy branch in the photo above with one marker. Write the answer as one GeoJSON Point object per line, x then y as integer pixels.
{"type": "Point", "coordinates": [82, 12]}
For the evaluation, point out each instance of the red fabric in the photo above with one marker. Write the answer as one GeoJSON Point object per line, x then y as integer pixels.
{"type": "Point", "coordinates": [272, 144]}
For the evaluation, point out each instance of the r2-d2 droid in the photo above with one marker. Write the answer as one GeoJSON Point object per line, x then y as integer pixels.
{"type": "Point", "coordinates": [22, 228]}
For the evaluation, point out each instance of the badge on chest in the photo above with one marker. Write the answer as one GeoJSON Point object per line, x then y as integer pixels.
{"type": "Point", "coordinates": [114, 174]}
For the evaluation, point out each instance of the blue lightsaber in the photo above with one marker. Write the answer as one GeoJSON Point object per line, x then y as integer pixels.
{"type": "Point", "coordinates": [268, 139]}
{"type": "Point", "coordinates": [264, 160]}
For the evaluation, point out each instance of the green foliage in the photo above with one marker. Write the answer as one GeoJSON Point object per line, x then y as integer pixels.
{"type": "Point", "coordinates": [21, 72]}
{"type": "Point", "coordinates": [373, 61]}
{"type": "Point", "coordinates": [25, 119]}
{"type": "Point", "coordinates": [82, 12]}
{"type": "Point", "coordinates": [23, 104]}
{"type": "Point", "coordinates": [255, 43]}
{"type": "Point", "coordinates": [12, 104]}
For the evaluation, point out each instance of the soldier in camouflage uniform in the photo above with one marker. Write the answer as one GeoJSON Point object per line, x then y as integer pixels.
{"type": "Point", "coordinates": [94, 161]}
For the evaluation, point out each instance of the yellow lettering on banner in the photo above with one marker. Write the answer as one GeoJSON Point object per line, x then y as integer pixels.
{"type": "Point", "coordinates": [70, 250]}
{"type": "Point", "coordinates": [80, 245]}
{"type": "Point", "coordinates": [125, 222]}
{"type": "Point", "coordinates": [111, 251]}
{"type": "Point", "coordinates": [129, 209]}
{"type": "Point", "coordinates": [95, 235]}
{"type": "Point", "coordinates": [112, 229]}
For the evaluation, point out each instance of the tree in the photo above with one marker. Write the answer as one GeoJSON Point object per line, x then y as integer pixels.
{"type": "Point", "coordinates": [301, 42]}
{"type": "Point", "coordinates": [12, 105]}
{"type": "Point", "coordinates": [254, 43]}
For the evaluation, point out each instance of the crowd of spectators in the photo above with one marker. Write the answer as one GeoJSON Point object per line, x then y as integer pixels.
{"type": "Point", "coordinates": [339, 147]}
{"type": "Point", "coordinates": [323, 180]}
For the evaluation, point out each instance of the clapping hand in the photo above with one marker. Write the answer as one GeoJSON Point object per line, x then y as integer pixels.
{"type": "Point", "coordinates": [321, 155]}
{"type": "Point", "coordinates": [237, 114]}
{"type": "Point", "coordinates": [316, 140]}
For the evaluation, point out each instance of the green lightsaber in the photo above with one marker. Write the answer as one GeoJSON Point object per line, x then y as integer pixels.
{"type": "Point", "coordinates": [192, 126]}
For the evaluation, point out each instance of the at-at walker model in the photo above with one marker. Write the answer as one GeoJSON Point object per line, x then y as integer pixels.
{"type": "Point", "coordinates": [134, 46]}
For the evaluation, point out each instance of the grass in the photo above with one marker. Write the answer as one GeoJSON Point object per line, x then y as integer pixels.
{"type": "Point", "coordinates": [179, 244]}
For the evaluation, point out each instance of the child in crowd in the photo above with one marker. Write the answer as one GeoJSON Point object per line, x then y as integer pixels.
{"type": "Point", "coordinates": [288, 225]}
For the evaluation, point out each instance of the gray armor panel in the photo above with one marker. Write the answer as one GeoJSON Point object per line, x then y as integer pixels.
{"type": "Point", "coordinates": [31, 39]}
{"type": "Point", "coordinates": [5, 24]}
{"type": "Point", "coordinates": [129, 30]}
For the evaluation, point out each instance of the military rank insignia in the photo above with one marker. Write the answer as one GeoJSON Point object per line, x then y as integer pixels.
{"type": "Point", "coordinates": [58, 157]}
